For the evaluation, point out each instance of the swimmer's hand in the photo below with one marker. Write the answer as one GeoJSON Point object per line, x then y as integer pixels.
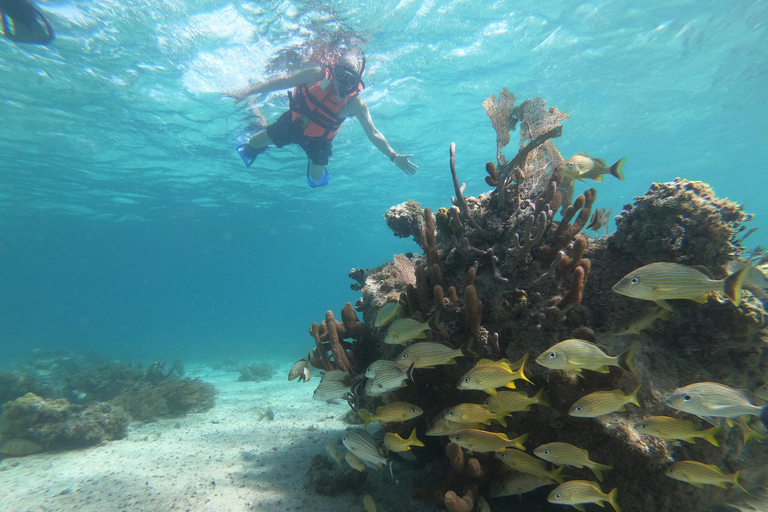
{"type": "Point", "coordinates": [238, 95]}
{"type": "Point", "coordinates": [406, 165]}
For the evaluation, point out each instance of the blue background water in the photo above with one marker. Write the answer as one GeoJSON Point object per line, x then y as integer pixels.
{"type": "Point", "coordinates": [128, 224]}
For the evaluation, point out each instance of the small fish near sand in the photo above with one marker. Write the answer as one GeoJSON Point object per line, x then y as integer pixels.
{"type": "Point", "coordinates": [268, 414]}
{"type": "Point", "coordinates": [365, 447]}
{"type": "Point", "coordinates": [489, 375]}
{"type": "Point", "coordinates": [582, 492]}
{"type": "Point", "coordinates": [426, 354]}
{"type": "Point", "coordinates": [673, 429]}
{"type": "Point", "coordinates": [333, 452]}
{"type": "Point", "coordinates": [575, 355]}
{"type": "Point", "coordinates": [18, 447]}
{"type": "Point", "coordinates": [582, 166]}
{"type": "Point", "coordinates": [601, 403]}
{"type": "Point", "coordinates": [700, 474]}
{"type": "Point", "coordinates": [662, 281]}
{"type": "Point", "coordinates": [300, 370]}
{"type": "Point", "coordinates": [711, 400]}
{"type": "Point", "coordinates": [565, 454]}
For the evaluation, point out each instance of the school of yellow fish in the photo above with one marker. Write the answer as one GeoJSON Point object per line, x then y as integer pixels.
{"type": "Point", "coordinates": [465, 423]}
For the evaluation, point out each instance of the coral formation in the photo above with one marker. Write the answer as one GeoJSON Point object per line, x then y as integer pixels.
{"type": "Point", "coordinates": [59, 425]}
{"type": "Point", "coordinates": [173, 397]}
{"type": "Point", "coordinates": [256, 372]}
{"type": "Point", "coordinates": [508, 279]}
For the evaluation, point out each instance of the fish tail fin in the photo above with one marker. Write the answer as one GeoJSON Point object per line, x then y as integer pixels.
{"type": "Point", "coordinates": [523, 360]}
{"type": "Point", "coordinates": [736, 481]}
{"type": "Point", "coordinates": [413, 440]}
{"type": "Point", "coordinates": [612, 499]}
{"type": "Point", "coordinates": [734, 282]}
{"type": "Point", "coordinates": [518, 442]}
{"type": "Point", "coordinates": [434, 321]}
{"type": "Point", "coordinates": [365, 417]}
{"type": "Point", "coordinates": [598, 469]}
{"type": "Point", "coordinates": [555, 475]}
{"type": "Point", "coordinates": [616, 169]}
{"type": "Point", "coordinates": [540, 399]}
{"type": "Point", "coordinates": [633, 397]}
{"type": "Point", "coordinates": [709, 435]}
{"type": "Point", "coordinates": [628, 358]}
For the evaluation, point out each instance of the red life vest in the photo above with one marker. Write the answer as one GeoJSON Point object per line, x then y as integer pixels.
{"type": "Point", "coordinates": [321, 106]}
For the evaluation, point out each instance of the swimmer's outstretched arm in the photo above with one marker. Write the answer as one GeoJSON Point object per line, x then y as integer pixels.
{"type": "Point", "coordinates": [359, 108]}
{"type": "Point", "coordinates": [304, 77]}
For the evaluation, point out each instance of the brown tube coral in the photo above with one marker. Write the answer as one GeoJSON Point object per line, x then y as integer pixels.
{"type": "Point", "coordinates": [473, 307]}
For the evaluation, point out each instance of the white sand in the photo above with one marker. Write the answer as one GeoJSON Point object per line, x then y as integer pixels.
{"type": "Point", "coordinates": [219, 460]}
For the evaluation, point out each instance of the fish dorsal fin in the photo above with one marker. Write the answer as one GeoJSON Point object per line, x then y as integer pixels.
{"type": "Point", "coordinates": [704, 270]}
{"type": "Point", "coordinates": [489, 362]}
{"type": "Point", "coordinates": [584, 154]}
{"type": "Point", "coordinates": [600, 162]}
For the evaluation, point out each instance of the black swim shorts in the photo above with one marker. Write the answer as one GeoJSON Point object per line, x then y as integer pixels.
{"type": "Point", "coordinates": [284, 132]}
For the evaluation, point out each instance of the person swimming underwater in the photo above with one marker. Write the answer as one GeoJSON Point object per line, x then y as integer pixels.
{"type": "Point", "coordinates": [321, 100]}
{"type": "Point", "coordinates": [23, 23]}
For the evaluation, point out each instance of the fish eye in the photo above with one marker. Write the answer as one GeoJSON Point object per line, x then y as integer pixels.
{"type": "Point", "coordinates": [466, 379]}
{"type": "Point", "coordinates": [643, 425]}
{"type": "Point", "coordinates": [579, 408]}
{"type": "Point", "coordinates": [558, 496]}
{"type": "Point", "coordinates": [635, 280]}
{"type": "Point", "coordinates": [687, 398]}
{"type": "Point", "coordinates": [404, 356]}
{"type": "Point", "coordinates": [546, 452]}
{"type": "Point", "coordinates": [552, 355]}
{"type": "Point", "coordinates": [487, 402]}
{"type": "Point", "coordinates": [451, 414]}
{"type": "Point", "coordinates": [457, 437]}
{"type": "Point", "coordinates": [413, 411]}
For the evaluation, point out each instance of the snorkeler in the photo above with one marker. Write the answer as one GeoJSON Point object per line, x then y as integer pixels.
{"type": "Point", "coordinates": [322, 99]}
{"type": "Point", "coordinates": [23, 23]}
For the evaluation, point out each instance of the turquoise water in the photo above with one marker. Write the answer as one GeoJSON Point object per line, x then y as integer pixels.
{"type": "Point", "coordinates": [129, 226]}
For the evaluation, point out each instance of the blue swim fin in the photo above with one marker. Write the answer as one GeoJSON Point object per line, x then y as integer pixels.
{"type": "Point", "coordinates": [323, 181]}
{"type": "Point", "coordinates": [249, 153]}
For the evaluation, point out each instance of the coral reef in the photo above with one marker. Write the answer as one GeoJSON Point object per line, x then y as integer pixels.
{"type": "Point", "coordinates": [508, 279]}
{"type": "Point", "coordinates": [59, 425]}
{"type": "Point", "coordinates": [256, 372]}
{"type": "Point", "coordinates": [174, 397]}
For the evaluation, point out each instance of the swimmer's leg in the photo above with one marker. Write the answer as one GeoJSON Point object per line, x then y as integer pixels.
{"type": "Point", "coordinates": [317, 175]}
{"type": "Point", "coordinates": [256, 146]}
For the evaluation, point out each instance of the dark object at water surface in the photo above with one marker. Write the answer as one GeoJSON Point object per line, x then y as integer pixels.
{"type": "Point", "coordinates": [23, 23]}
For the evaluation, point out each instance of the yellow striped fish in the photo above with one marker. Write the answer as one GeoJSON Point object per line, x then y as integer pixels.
{"type": "Point", "coordinates": [699, 474]}
{"type": "Point", "coordinates": [673, 429]}
{"type": "Point", "coordinates": [395, 443]}
{"type": "Point", "coordinates": [406, 329]}
{"type": "Point", "coordinates": [660, 281]}
{"type": "Point", "coordinates": [395, 411]}
{"type": "Point", "coordinates": [516, 482]}
{"type": "Point", "coordinates": [711, 400]}
{"type": "Point", "coordinates": [524, 463]}
{"type": "Point", "coordinates": [471, 413]}
{"type": "Point", "coordinates": [481, 441]}
{"type": "Point", "coordinates": [365, 447]}
{"type": "Point", "coordinates": [329, 390]}
{"type": "Point", "coordinates": [489, 375]}
{"type": "Point", "coordinates": [576, 355]}
{"type": "Point", "coordinates": [387, 313]}
{"type": "Point", "coordinates": [514, 401]}
{"type": "Point", "coordinates": [439, 426]}
{"type": "Point", "coordinates": [354, 462]}
{"type": "Point", "coordinates": [564, 454]}
{"type": "Point", "coordinates": [582, 492]}
{"type": "Point", "coordinates": [601, 403]}
{"type": "Point", "coordinates": [425, 354]}
{"type": "Point", "coordinates": [376, 366]}
{"type": "Point", "coordinates": [387, 380]}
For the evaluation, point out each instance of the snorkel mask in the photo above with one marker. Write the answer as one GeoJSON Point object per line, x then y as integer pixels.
{"type": "Point", "coordinates": [347, 79]}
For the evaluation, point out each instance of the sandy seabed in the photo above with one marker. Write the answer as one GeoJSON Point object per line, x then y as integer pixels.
{"type": "Point", "coordinates": [219, 460]}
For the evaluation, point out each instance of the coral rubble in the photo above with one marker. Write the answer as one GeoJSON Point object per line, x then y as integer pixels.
{"type": "Point", "coordinates": [505, 279]}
